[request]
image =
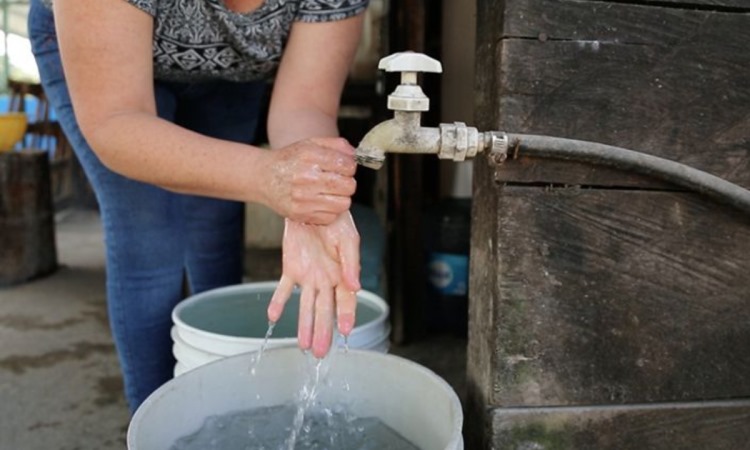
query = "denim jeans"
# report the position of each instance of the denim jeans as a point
(153, 237)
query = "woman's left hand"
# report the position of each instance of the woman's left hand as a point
(324, 261)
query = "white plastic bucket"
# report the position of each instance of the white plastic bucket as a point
(232, 320)
(409, 398)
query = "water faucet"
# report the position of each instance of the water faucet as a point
(405, 134)
(456, 141)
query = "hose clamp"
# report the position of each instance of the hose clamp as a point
(497, 144)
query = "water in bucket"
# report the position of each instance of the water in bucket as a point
(269, 428)
(302, 425)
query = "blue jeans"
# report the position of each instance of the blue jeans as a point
(153, 237)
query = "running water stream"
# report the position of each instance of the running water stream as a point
(307, 396)
(263, 346)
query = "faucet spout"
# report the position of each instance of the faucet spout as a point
(402, 134)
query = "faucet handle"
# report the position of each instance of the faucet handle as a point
(408, 96)
(409, 63)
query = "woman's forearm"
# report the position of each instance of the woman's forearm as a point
(308, 87)
(309, 181)
(291, 125)
(146, 148)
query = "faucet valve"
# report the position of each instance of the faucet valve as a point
(409, 96)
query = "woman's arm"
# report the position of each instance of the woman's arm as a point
(310, 79)
(106, 47)
(323, 260)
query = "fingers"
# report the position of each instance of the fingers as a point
(279, 298)
(336, 184)
(316, 317)
(333, 155)
(328, 181)
(306, 317)
(315, 329)
(319, 197)
(323, 331)
(349, 255)
(346, 305)
(310, 186)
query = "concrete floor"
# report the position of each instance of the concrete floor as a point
(60, 385)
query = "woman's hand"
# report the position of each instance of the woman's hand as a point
(311, 181)
(324, 261)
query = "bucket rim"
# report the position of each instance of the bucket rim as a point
(456, 437)
(181, 348)
(370, 297)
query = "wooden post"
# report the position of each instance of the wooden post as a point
(412, 179)
(608, 310)
(27, 233)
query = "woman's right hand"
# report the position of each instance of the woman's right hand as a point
(311, 181)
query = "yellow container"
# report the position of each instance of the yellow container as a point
(12, 128)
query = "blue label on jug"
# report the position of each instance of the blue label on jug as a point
(449, 273)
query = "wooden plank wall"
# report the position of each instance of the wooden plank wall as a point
(671, 425)
(591, 286)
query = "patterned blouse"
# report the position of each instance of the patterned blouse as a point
(198, 40)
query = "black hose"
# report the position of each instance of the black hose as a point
(621, 158)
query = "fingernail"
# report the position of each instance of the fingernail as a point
(346, 323)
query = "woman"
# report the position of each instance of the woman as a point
(160, 99)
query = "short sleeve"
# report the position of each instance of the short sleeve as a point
(147, 6)
(329, 10)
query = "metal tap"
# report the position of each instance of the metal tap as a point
(404, 133)
(456, 141)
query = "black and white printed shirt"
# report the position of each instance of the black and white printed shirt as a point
(199, 40)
